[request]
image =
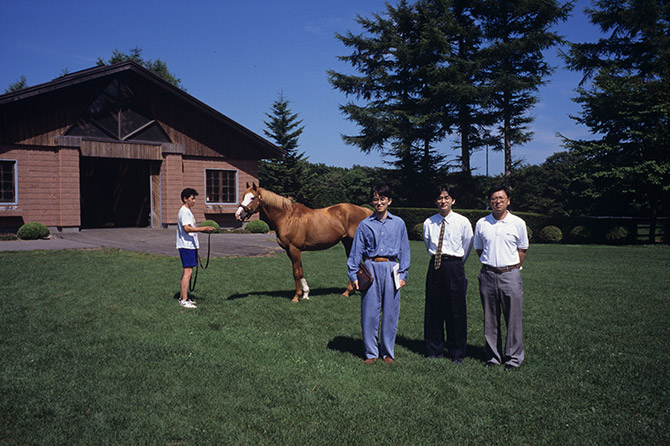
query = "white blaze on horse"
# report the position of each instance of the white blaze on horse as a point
(300, 228)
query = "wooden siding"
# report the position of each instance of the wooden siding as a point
(110, 149)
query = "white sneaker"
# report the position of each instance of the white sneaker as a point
(187, 304)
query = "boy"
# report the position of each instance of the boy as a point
(381, 242)
(187, 243)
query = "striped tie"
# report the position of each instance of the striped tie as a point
(438, 252)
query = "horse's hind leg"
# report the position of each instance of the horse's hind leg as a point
(301, 288)
(347, 242)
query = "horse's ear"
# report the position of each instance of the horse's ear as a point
(247, 185)
(253, 185)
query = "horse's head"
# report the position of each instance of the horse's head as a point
(251, 203)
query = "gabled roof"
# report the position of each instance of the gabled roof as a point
(83, 76)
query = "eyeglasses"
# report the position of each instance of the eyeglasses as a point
(497, 199)
(380, 200)
(447, 198)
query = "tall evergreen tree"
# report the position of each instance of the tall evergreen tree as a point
(395, 110)
(627, 106)
(516, 33)
(290, 175)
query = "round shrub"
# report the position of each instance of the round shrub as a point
(580, 234)
(529, 230)
(416, 232)
(551, 234)
(33, 231)
(257, 227)
(368, 206)
(211, 223)
(617, 235)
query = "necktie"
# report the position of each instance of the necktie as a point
(438, 252)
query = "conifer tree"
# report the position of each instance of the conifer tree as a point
(289, 176)
(516, 33)
(627, 107)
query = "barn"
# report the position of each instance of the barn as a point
(113, 146)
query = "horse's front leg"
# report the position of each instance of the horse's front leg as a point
(301, 288)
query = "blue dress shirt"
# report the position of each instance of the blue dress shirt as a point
(377, 238)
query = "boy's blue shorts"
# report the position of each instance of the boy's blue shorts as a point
(189, 257)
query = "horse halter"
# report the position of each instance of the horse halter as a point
(247, 209)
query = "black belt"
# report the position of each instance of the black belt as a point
(448, 258)
(504, 269)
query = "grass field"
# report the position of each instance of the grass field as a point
(96, 350)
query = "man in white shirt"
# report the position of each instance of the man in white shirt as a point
(448, 239)
(501, 241)
(187, 243)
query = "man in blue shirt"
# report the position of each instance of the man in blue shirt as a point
(381, 243)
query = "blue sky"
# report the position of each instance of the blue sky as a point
(237, 56)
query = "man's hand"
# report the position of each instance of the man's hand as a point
(402, 283)
(355, 284)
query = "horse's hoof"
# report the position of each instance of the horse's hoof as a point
(294, 300)
(305, 298)
(345, 294)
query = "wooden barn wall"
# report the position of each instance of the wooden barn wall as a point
(38, 120)
(199, 132)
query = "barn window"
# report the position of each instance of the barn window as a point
(221, 186)
(7, 182)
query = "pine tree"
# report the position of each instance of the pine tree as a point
(627, 106)
(289, 176)
(157, 66)
(516, 33)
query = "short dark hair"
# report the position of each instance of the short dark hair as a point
(443, 188)
(383, 190)
(499, 187)
(188, 192)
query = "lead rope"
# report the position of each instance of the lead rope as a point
(194, 277)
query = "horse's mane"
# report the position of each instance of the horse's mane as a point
(274, 200)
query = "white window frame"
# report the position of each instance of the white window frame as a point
(235, 172)
(16, 183)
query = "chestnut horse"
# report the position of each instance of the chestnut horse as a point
(300, 228)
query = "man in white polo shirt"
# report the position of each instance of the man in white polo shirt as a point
(501, 241)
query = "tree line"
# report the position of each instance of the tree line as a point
(435, 68)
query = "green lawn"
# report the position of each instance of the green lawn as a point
(96, 350)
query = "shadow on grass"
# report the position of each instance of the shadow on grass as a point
(345, 344)
(418, 346)
(287, 294)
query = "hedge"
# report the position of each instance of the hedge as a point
(257, 227)
(581, 229)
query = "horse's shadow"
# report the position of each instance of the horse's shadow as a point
(287, 294)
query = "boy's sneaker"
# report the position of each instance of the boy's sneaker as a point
(187, 304)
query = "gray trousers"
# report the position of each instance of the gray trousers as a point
(504, 292)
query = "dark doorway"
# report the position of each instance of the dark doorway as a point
(114, 192)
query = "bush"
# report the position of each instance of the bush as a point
(33, 231)
(579, 234)
(211, 223)
(617, 235)
(529, 230)
(417, 232)
(551, 234)
(257, 227)
(8, 237)
(368, 206)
